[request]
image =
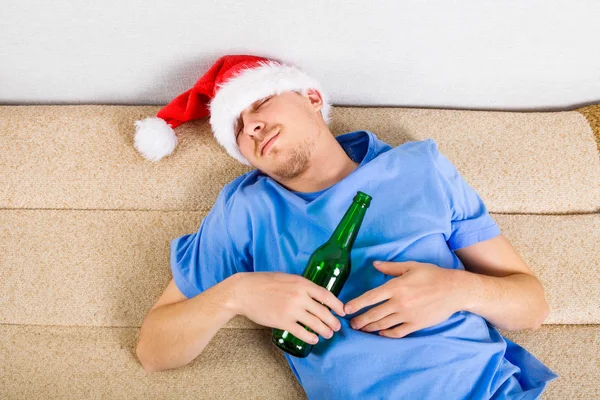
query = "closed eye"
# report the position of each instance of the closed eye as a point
(242, 122)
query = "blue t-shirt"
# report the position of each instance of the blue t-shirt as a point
(422, 210)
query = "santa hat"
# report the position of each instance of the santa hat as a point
(232, 84)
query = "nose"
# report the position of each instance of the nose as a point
(253, 127)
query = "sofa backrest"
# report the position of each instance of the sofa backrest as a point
(87, 222)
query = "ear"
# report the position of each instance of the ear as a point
(315, 98)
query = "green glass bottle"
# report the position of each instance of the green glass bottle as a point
(329, 267)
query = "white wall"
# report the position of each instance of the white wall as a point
(480, 54)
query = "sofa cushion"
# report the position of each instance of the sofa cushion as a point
(107, 268)
(82, 157)
(41, 362)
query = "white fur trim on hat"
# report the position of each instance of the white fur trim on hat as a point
(251, 85)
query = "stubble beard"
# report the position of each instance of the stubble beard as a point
(296, 163)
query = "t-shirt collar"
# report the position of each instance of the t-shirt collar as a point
(360, 146)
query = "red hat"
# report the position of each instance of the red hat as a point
(232, 84)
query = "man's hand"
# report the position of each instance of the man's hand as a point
(421, 295)
(280, 300)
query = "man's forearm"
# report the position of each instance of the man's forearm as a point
(512, 302)
(174, 334)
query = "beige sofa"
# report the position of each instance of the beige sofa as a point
(86, 224)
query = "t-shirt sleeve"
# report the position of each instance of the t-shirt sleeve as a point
(470, 220)
(204, 258)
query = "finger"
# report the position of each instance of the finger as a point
(323, 313)
(324, 296)
(314, 323)
(371, 297)
(396, 268)
(372, 315)
(301, 333)
(400, 331)
(384, 323)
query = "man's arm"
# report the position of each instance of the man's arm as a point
(500, 286)
(176, 329)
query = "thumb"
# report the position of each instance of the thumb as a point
(394, 268)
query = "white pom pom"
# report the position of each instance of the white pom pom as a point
(154, 138)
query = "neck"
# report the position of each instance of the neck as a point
(329, 165)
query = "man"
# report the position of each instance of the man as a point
(421, 324)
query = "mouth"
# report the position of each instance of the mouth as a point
(265, 147)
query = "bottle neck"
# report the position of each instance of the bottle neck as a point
(347, 230)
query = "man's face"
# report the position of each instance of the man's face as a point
(277, 134)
